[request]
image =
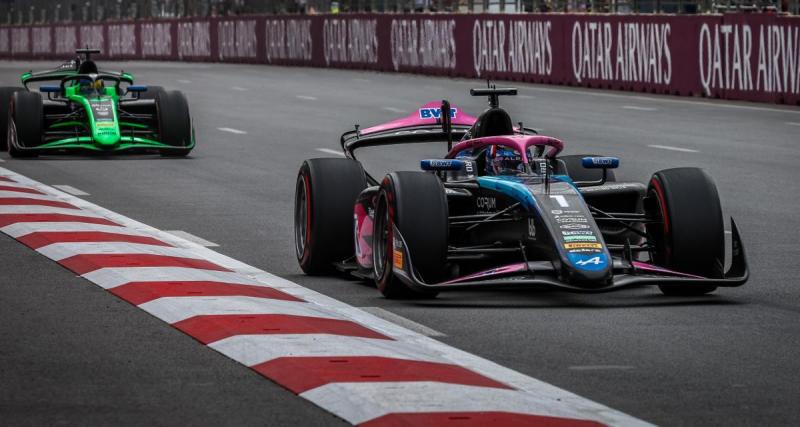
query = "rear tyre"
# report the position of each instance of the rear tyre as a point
(690, 237)
(415, 202)
(27, 113)
(174, 123)
(325, 193)
(577, 172)
(6, 96)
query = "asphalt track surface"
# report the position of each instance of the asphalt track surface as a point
(72, 353)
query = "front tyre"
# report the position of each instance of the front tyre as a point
(415, 203)
(27, 113)
(174, 123)
(325, 192)
(6, 96)
(690, 236)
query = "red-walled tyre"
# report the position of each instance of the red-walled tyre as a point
(325, 192)
(690, 238)
(416, 203)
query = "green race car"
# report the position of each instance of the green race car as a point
(92, 110)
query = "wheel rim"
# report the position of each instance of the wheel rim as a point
(381, 238)
(302, 217)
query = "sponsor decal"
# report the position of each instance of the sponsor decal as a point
(590, 262)
(577, 233)
(397, 258)
(531, 229)
(486, 203)
(105, 124)
(561, 212)
(571, 219)
(573, 226)
(435, 113)
(583, 246)
(582, 238)
(561, 200)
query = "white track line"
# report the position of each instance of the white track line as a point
(354, 402)
(306, 97)
(394, 110)
(402, 321)
(330, 151)
(24, 228)
(793, 123)
(184, 81)
(59, 251)
(232, 130)
(192, 238)
(71, 190)
(668, 147)
(366, 401)
(175, 309)
(112, 277)
(254, 349)
(637, 108)
(239, 88)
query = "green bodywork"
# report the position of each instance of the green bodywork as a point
(100, 128)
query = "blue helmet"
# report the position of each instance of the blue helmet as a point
(503, 161)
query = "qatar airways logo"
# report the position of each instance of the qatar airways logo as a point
(737, 57)
(288, 39)
(631, 52)
(350, 41)
(515, 46)
(427, 43)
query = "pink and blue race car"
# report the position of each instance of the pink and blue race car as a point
(502, 209)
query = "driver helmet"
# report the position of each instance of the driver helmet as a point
(503, 161)
(88, 86)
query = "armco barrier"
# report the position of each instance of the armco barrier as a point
(746, 57)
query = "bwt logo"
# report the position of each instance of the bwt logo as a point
(435, 113)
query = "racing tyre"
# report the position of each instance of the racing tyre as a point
(174, 123)
(152, 92)
(690, 236)
(6, 95)
(576, 171)
(28, 115)
(325, 193)
(415, 202)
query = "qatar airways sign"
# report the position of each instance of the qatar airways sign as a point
(761, 58)
(512, 46)
(350, 41)
(622, 52)
(424, 43)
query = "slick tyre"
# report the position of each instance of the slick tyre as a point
(415, 203)
(689, 237)
(576, 171)
(27, 113)
(152, 92)
(6, 96)
(174, 123)
(325, 193)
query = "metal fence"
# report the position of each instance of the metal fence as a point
(45, 11)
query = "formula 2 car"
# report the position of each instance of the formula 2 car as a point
(92, 110)
(502, 209)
